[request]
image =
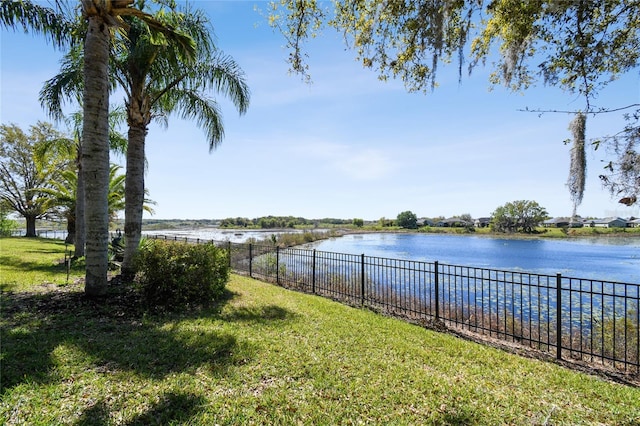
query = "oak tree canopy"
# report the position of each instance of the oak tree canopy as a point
(579, 46)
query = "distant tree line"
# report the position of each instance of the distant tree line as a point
(280, 222)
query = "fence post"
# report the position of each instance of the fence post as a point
(362, 279)
(558, 316)
(436, 279)
(313, 273)
(278, 265)
(228, 251)
(250, 261)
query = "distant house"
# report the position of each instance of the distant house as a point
(424, 222)
(454, 222)
(633, 223)
(609, 222)
(556, 222)
(563, 222)
(482, 222)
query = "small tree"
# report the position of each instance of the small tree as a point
(6, 225)
(22, 176)
(518, 216)
(383, 222)
(407, 220)
(466, 217)
(359, 223)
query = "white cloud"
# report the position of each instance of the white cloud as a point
(368, 164)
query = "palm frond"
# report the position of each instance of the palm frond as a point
(66, 86)
(38, 19)
(192, 105)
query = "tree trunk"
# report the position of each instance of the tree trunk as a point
(95, 155)
(80, 216)
(71, 228)
(134, 198)
(31, 226)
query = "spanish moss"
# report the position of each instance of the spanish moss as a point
(578, 166)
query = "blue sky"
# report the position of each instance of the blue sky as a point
(347, 145)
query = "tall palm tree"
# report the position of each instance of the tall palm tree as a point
(159, 80)
(103, 16)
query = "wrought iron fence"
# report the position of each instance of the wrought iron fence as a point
(572, 318)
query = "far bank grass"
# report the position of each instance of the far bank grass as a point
(271, 356)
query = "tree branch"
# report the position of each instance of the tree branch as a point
(599, 111)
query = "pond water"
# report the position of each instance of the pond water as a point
(609, 259)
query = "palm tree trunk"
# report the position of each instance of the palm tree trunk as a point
(134, 198)
(95, 154)
(80, 240)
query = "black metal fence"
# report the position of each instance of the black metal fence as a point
(571, 318)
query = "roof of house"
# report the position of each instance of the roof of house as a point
(608, 220)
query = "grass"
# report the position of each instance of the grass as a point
(27, 262)
(267, 355)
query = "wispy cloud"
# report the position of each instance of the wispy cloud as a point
(368, 164)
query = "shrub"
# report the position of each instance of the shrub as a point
(6, 225)
(268, 264)
(173, 275)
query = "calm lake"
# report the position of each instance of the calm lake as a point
(608, 259)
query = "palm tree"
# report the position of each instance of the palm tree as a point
(117, 194)
(68, 85)
(158, 80)
(102, 16)
(62, 193)
(51, 99)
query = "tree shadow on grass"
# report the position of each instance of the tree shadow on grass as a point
(49, 337)
(25, 265)
(113, 334)
(259, 314)
(173, 408)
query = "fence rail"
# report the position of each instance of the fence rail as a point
(571, 318)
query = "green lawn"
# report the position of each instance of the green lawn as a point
(28, 263)
(266, 355)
